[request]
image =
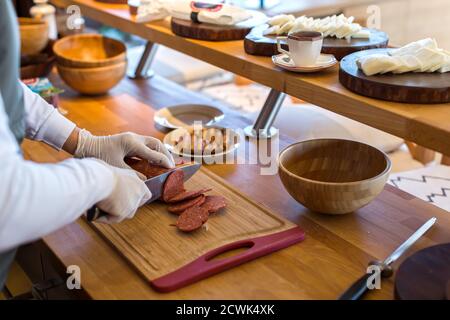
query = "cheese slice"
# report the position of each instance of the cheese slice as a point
(446, 65)
(271, 30)
(285, 28)
(361, 34)
(413, 47)
(377, 63)
(430, 59)
(419, 56)
(408, 63)
(281, 19)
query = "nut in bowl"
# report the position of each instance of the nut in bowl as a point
(210, 144)
(333, 176)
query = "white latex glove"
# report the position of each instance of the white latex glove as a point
(113, 149)
(128, 194)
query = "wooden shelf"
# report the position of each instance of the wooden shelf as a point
(423, 124)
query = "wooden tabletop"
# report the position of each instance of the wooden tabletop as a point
(422, 124)
(333, 255)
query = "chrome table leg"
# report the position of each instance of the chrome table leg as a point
(262, 128)
(142, 70)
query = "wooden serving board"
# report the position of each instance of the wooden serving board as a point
(258, 44)
(212, 32)
(408, 87)
(425, 275)
(170, 259)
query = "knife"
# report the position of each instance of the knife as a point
(154, 184)
(358, 288)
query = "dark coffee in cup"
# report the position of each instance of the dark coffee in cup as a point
(304, 47)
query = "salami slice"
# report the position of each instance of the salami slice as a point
(181, 206)
(191, 219)
(145, 167)
(186, 195)
(174, 185)
(214, 203)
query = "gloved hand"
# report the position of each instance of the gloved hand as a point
(113, 149)
(129, 193)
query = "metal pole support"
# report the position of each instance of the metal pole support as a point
(142, 70)
(262, 128)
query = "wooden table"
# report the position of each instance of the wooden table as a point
(334, 254)
(422, 124)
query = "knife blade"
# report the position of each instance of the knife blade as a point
(154, 184)
(359, 287)
(409, 242)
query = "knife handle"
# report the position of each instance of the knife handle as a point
(357, 290)
(94, 213)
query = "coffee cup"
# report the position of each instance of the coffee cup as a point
(304, 47)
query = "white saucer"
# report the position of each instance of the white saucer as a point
(186, 114)
(323, 62)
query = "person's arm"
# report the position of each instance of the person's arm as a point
(45, 123)
(37, 199)
(72, 141)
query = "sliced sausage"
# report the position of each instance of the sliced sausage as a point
(174, 185)
(186, 195)
(191, 219)
(214, 203)
(181, 206)
(145, 167)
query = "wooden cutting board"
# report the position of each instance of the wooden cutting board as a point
(212, 32)
(258, 44)
(425, 275)
(408, 87)
(170, 259)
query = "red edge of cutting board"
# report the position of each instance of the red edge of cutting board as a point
(204, 267)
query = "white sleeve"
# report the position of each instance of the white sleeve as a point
(36, 199)
(43, 121)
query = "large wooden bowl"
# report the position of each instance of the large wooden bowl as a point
(333, 176)
(89, 51)
(33, 35)
(92, 81)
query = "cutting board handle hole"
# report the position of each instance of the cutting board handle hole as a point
(230, 251)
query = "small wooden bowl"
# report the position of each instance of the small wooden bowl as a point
(92, 81)
(89, 51)
(333, 176)
(33, 35)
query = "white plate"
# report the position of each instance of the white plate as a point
(172, 137)
(185, 114)
(324, 61)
